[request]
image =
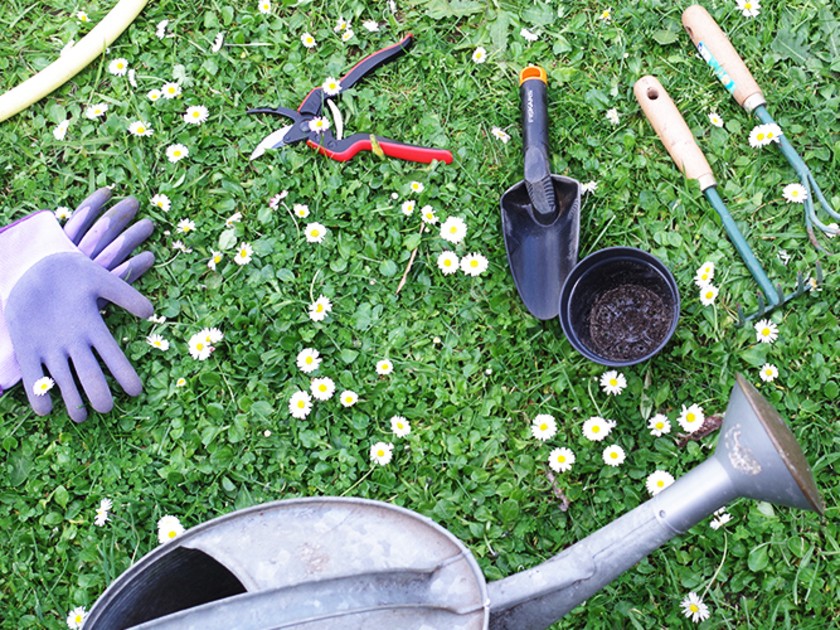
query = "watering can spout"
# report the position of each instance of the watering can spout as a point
(757, 456)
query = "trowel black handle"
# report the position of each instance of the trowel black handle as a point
(533, 90)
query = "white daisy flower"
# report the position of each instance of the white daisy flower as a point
(769, 372)
(76, 618)
(613, 383)
(448, 262)
(596, 428)
(613, 455)
(244, 252)
(348, 398)
(157, 341)
(196, 114)
(215, 259)
(322, 388)
(60, 130)
(371, 26)
(766, 331)
(453, 230)
(96, 111)
(331, 86)
(427, 213)
(140, 129)
(708, 294)
(218, 43)
(185, 226)
(170, 90)
(795, 193)
(264, 6)
(693, 607)
(62, 213)
(200, 349)
(300, 404)
(528, 36)
(381, 453)
(407, 207)
(347, 35)
(42, 386)
(161, 201)
(416, 187)
(308, 360)
(612, 116)
(319, 309)
(307, 40)
(118, 67)
(301, 210)
(589, 187)
(561, 459)
(315, 232)
(236, 217)
(691, 418)
(716, 120)
(169, 528)
(160, 29)
(154, 95)
(657, 481)
(479, 55)
(384, 367)
(473, 264)
(176, 152)
(500, 134)
(400, 426)
(659, 425)
(544, 427)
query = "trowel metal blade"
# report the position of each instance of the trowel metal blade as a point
(541, 251)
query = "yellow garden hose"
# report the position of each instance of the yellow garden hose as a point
(73, 61)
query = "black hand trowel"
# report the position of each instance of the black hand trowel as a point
(540, 214)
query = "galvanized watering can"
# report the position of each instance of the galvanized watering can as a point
(330, 562)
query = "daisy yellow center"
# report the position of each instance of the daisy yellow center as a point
(156, 343)
(660, 483)
(199, 346)
(770, 135)
(120, 66)
(447, 263)
(177, 153)
(196, 114)
(473, 263)
(596, 429)
(561, 459)
(690, 417)
(171, 90)
(543, 427)
(243, 252)
(605, 14)
(710, 294)
(322, 388)
(380, 453)
(759, 136)
(77, 618)
(217, 259)
(43, 387)
(301, 404)
(765, 332)
(614, 455)
(348, 399)
(453, 230)
(308, 360)
(141, 129)
(613, 382)
(319, 308)
(660, 425)
(172, 533)
(309, 40)
(315, 232)
(692, 606)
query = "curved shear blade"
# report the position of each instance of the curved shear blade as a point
(272, 141)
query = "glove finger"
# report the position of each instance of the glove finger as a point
(85, 214)
(121, 293)
(118, 364)
(30, 371)
(108, 227)
(59, 370)
(122, 246)
(134, 267)
(92, 379)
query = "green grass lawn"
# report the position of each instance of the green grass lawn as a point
(471, 367)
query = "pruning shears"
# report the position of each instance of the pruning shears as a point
(307, 122)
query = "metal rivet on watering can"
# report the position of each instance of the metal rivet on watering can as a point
(619, 306)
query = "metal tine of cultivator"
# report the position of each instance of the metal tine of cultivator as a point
(803, 285)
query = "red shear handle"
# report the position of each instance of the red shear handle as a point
(343, 150)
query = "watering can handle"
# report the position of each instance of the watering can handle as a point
(672, 130)
(717, 51)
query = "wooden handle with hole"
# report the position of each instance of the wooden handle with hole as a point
(672, 130)
(716, 49)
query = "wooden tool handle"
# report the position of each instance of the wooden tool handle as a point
(716, 49)
(675, 135)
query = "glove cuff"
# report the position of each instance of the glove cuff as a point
(23, 244)
(26, 242)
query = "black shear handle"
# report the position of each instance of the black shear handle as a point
(312, 103)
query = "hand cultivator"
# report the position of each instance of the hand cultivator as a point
(308, 125)
(718, 52)
(677, 138)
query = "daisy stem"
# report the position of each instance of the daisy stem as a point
(410, 263)
(592, 398)
(720, 566)
(358, 481)
(312, 285)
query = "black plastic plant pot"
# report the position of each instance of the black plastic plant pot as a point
(619, 306)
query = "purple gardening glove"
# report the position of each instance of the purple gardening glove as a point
(49, 292)
(107, 242)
